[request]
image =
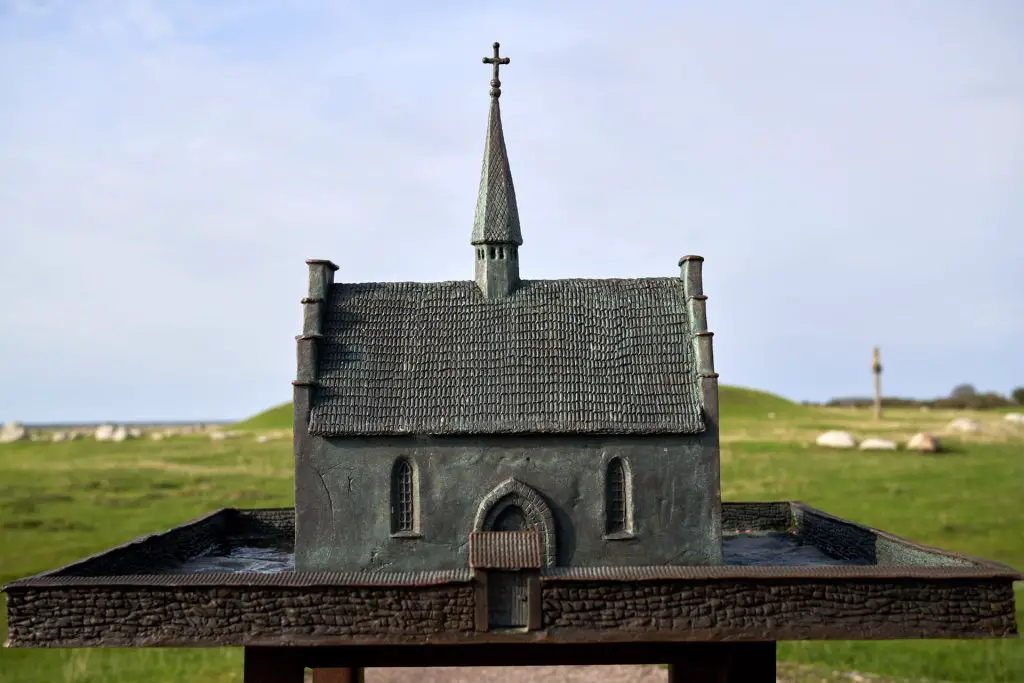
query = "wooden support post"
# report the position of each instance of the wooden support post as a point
(728, 663)
(338, 675)
(272, 665)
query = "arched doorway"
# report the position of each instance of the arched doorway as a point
(513, 503)
(513, 537)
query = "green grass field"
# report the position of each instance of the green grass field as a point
(62, 501)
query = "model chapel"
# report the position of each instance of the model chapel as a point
(504, 423)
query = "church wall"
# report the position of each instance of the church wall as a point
(343, 494)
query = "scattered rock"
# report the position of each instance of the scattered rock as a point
(963, 424)
(1014, 418)
(119, 434)
(104, 432)
(220, 436)
(924, 442)
(57, 437)
(836, 439)
(75, 436)
(134, 433)
(157, 436)
(873, 444)
(13, 431)
(263, 438)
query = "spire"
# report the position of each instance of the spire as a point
(497, 216)
(496, 236)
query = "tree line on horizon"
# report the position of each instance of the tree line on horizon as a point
(963, 397)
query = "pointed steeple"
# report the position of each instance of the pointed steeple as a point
(496, 236)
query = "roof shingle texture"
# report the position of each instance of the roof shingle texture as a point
(556, 356)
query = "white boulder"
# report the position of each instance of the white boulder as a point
(965, 425)
(134, 433)
(119, 434)
(836, 439)
(13, 431)
(924, 442)
(104, 432)
(874, 444)
(1014, 418)
(57, 437)
(221, 436)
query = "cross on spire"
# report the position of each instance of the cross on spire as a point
(497, 62)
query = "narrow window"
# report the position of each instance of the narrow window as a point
(501, 253)
(615, 497)
(402, 503)
(492, 252)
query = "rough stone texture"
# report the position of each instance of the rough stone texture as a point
(343, 486)
(847, 541)
(924, 443)
(964, 424)
(836, 439)
(557, 356)
(784, 610)
(573, 612)
(13, 431)
(877, 444)
(94, 617)
(155, 553)
(118, 598)
(739, 517)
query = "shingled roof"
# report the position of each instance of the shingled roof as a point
(555, 356)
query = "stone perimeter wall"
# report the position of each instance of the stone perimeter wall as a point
(786, 610)
(572, 611)
(105, 617)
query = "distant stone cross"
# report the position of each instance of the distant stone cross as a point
(497, 62)
(876, 370)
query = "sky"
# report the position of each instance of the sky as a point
(852, 172)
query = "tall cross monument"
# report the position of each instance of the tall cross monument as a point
(876, 370)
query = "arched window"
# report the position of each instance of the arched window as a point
(616, 498)
(492, 253)
(403, 503)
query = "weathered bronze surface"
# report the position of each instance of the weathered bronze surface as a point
(497, 62)
(546, 454)
(135, 595)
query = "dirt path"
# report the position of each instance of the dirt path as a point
(789, 673)
(520, 674)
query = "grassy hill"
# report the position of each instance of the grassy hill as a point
(63, 501)
(278, 417)
(735, 402)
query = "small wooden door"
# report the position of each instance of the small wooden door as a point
(508, 600)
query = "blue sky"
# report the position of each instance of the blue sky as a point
(853, 173)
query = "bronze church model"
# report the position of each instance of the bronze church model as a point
(503, 424)
(509, 471)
